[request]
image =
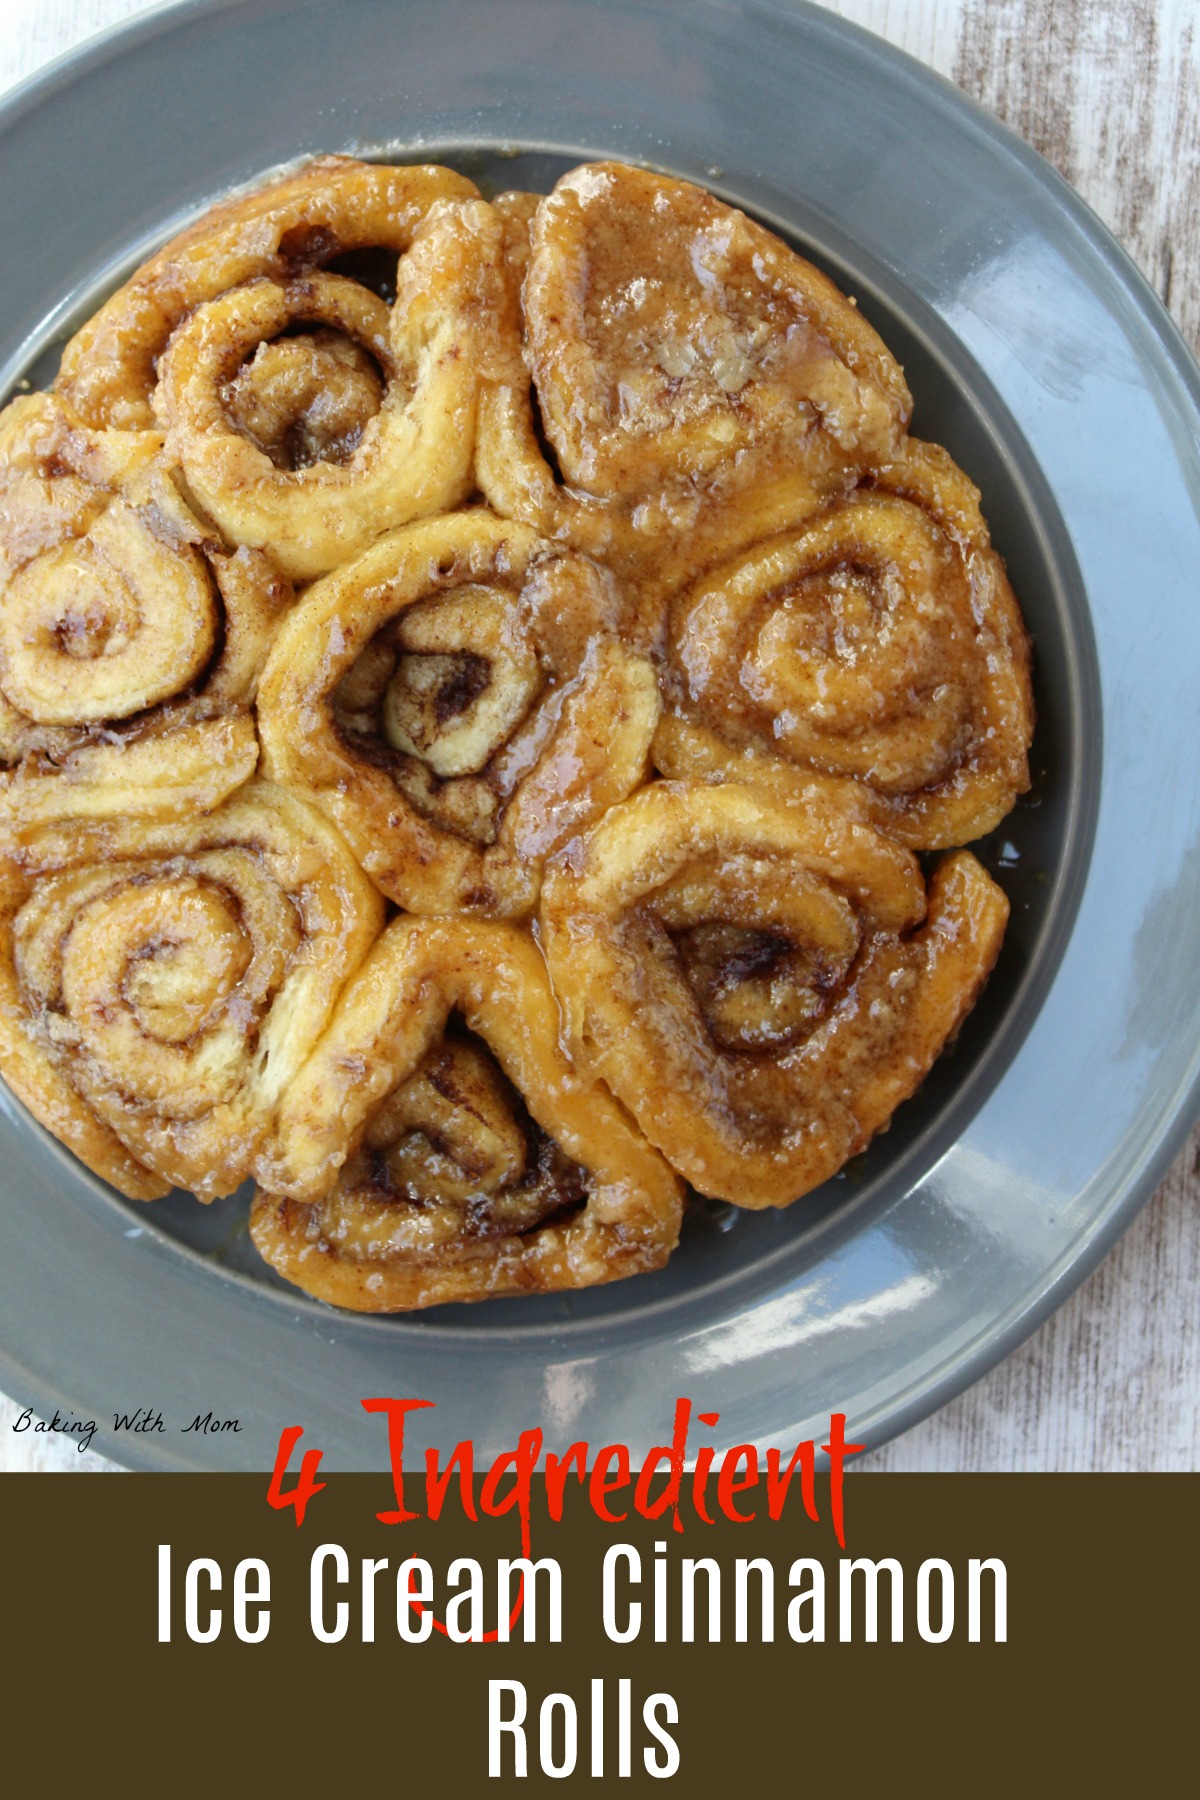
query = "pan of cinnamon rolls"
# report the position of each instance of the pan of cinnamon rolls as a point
(494, 710)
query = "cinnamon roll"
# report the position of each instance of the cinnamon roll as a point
(317, 442)
(458, 702)
(761, 983)
(637, 651)
(439, 1146)
(162, 984)
(130, 638)
(679, 383)
(334, 209)
(880, 642)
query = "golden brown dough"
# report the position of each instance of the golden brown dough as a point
(161, 985)
(130, 639)
(332, 208)
(419, 1164)
(879, 642)
(458, 702)
(642, 648)
(696, 384)
(760, 983)
(316, 444)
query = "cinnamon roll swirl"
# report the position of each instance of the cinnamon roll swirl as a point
(162, 984)
(439, 1146)
(130, 638)
(333, 209)
(761, 983)
(318, 442)
(879, 642)
(458, 702)
(680, 383)
(641, 650)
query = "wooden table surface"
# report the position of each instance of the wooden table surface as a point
(1109, 92)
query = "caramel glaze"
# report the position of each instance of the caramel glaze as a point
(680, 382)
(561, 572)
(459, 702)
(416, 1166)
(308, 221)
(307, 399)
(879, 643)
(760, 981)
(309, 416)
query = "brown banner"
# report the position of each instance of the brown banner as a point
(973, 1632)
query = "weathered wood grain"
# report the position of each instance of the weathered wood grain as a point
(1109, 92)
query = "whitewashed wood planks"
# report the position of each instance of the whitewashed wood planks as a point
(1109, 91)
